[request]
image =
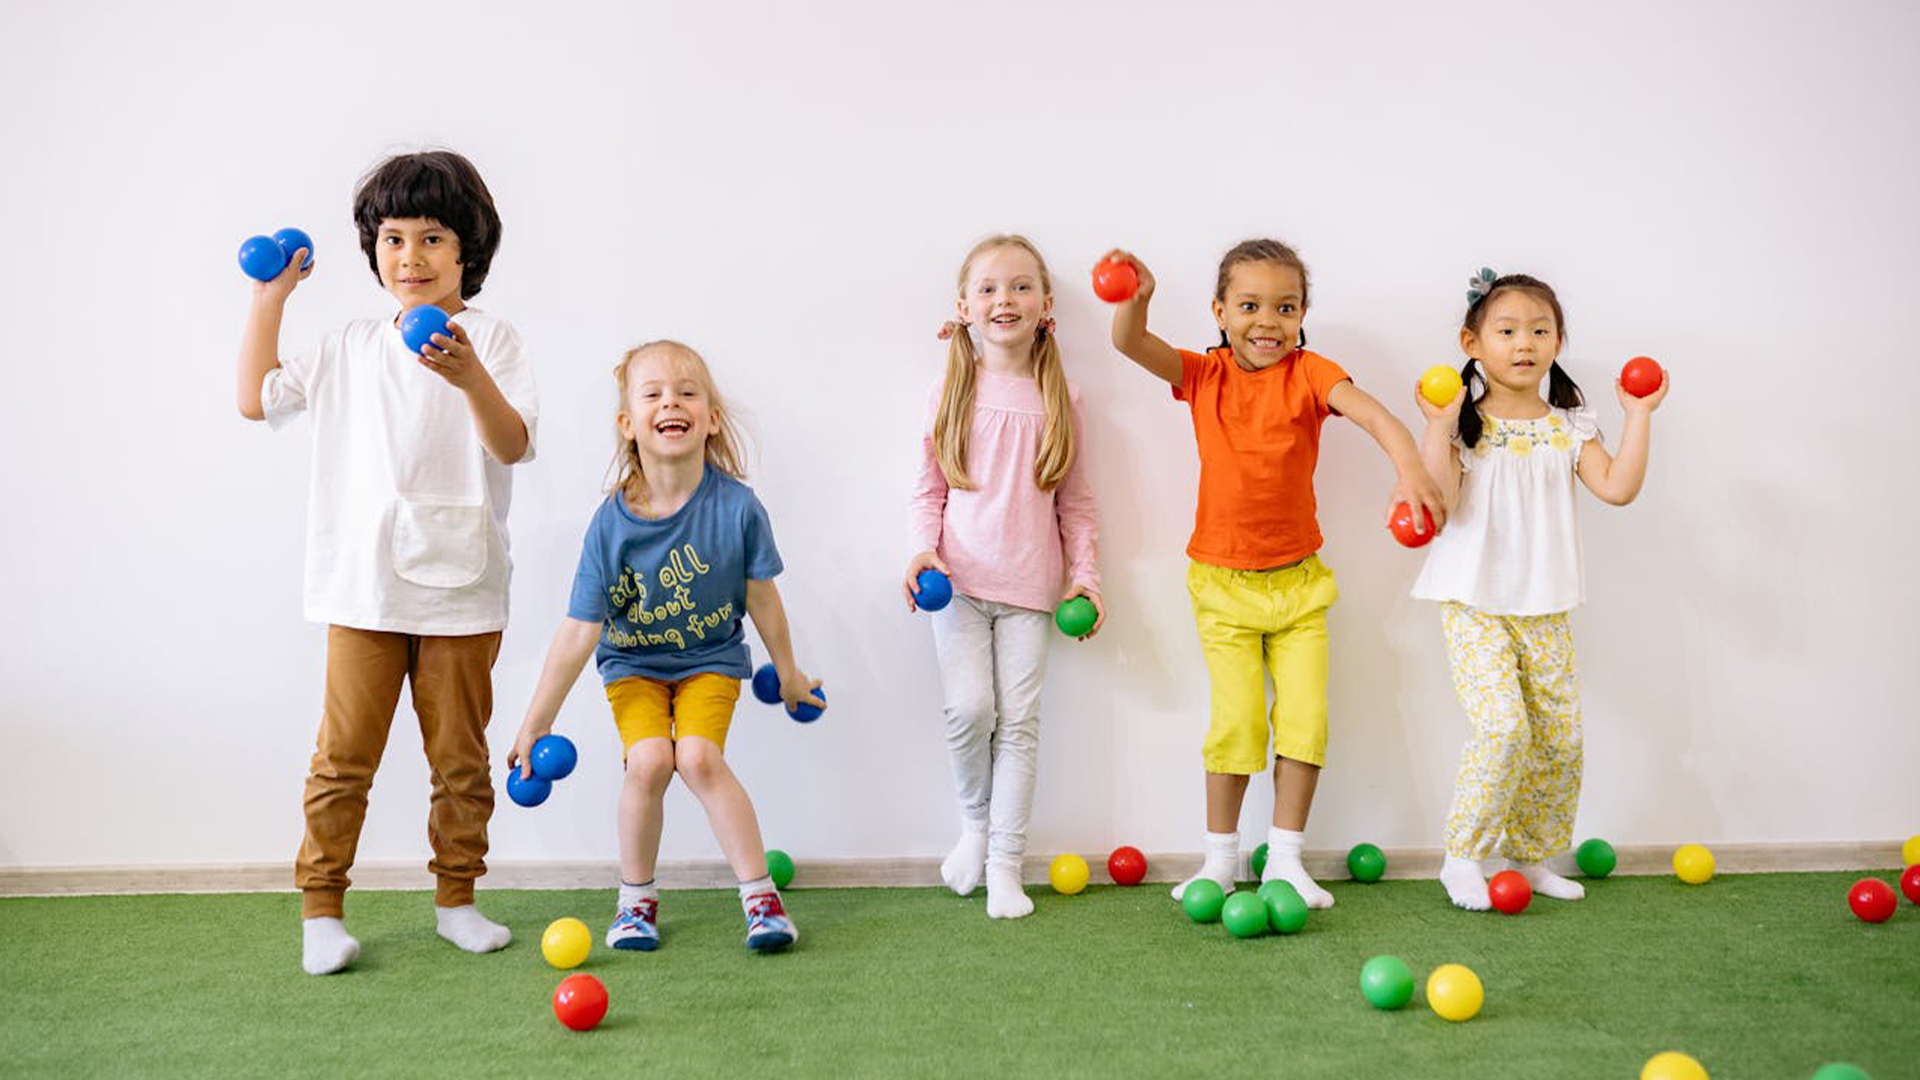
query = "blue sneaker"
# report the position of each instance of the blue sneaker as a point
(633, 928)
(768, 928)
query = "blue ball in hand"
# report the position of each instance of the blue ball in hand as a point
(934, 590)
(261, 258)
(553, 757)
(291, 240)
(419, 324)
(806, 713)
(766, 685)
(530, 791)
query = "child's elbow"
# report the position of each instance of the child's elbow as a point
(251, 410)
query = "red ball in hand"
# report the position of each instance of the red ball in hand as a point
(1642, 376)
(1402, 525)
(1509, 892)
(1910, 883)
(1872, 900)
(1114, 280)
(1127, 866)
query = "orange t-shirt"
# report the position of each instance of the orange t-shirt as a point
(1259, 437)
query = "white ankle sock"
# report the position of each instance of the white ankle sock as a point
(631, 895)
(1547, 883)
(962, 867)
(325, 945)
(759, 886)
(472, 931)
(1283, 864)
(1466, 883)
(1223, 858)
(1005, 897)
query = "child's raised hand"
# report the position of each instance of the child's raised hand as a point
(1145, 291)
(911, 583)
(1448, 414)
(282, 284)
(1644, 405)
(451, 356)
(797, 689)
(1099, 607)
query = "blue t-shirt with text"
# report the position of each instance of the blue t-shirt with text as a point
(671, 594)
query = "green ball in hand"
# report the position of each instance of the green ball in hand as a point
(1076, 617)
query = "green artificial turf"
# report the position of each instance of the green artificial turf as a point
(1757, 976)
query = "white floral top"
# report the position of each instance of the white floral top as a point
(1512, 546)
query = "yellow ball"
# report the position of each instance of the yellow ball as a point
(1454, 992)
(1693, 863)
(1068, 874)
(566, 943)
(1672, 1065)
(1910, 851)
(1439, 385)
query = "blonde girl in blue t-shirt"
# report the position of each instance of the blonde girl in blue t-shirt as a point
(677, 554)
(1506, 570)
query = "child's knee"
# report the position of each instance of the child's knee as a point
(698, 761)
(650, 764)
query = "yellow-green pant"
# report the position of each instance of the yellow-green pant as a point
(1519, 781)
(1254, 624)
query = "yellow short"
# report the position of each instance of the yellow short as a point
(699, 704)
(1254, 623)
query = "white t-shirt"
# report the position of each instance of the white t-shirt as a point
(407, 512)
(1511, 545)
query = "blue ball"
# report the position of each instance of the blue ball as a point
(419, 324)
(935, 590)
(531, 791)
(261, 258)
(766, 685)
(291, 240)
(806, 713)
(553, 757)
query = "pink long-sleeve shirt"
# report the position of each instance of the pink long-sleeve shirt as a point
(1007, 540)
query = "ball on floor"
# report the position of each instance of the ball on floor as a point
(1454, 992)
(1693, 864)
(566, 943)
(1068, 873)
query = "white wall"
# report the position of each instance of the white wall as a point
(1729, 187)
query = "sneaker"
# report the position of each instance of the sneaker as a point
(633, 928)
(768, 928)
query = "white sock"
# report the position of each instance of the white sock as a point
(1283, 864)
(472, 931)
(1466, 883)
(759, 886)
(1223, 858)
(1547, 883)
(962, 867)
(1005, 898)
(325, 945)
(631, 895)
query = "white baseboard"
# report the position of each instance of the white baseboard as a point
(862, 873)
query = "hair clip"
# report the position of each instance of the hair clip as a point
(950, 328)
(1046, 326)
(1479, 285)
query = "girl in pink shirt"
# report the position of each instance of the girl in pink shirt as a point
(1004, 509)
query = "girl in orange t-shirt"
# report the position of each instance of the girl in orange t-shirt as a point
(1260, 593)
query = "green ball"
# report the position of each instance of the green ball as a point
(1286, 909)
(1366, 863)
(1203, 899)
(1596, 858)
(779, 867)
(1259, 861)
(1076, 616)
(1244, 915)
(1386, 982)
(1840, 1070)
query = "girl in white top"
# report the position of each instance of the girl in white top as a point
(1506, 570)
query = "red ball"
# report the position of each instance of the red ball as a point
(1114, 280)
(1872, 900)
(1127, 866)
(580, 1002)
(1402, 525)
(1641, 376)
(1910, 883)
(1509, 892)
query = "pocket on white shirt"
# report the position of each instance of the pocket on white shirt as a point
(439, 543)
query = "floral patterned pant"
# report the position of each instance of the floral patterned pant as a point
(1519, 780)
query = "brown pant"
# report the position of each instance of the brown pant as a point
(453, 695)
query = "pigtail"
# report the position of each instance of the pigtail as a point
(954, 419)
(1057, 437)
(1562, 391)
(1470, 422)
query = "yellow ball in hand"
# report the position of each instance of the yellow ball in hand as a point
(1068, 874)
(1693, 864)
(566, 943)
(1672, 1065)
(1454, 992)
(1439, 385)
